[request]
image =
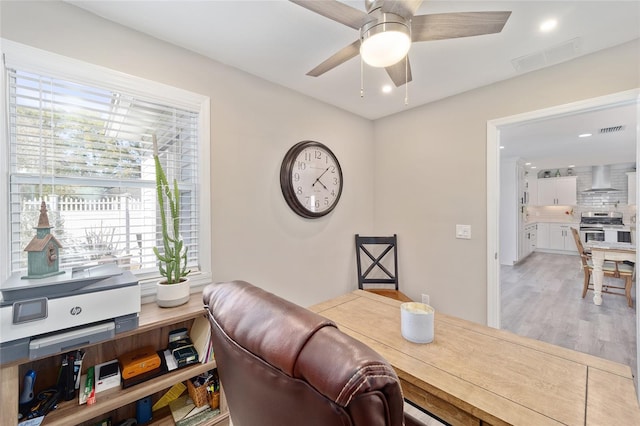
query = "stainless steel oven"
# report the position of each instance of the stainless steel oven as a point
(601, 226)
(591, 233)
(617, 234)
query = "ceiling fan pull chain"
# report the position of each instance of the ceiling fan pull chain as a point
(361, 77)
(406, 80)
(406, 70)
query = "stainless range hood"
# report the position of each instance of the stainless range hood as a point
(601, 180)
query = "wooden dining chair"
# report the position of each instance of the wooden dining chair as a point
(611, 269)
(377, 262)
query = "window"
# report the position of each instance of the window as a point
(84, 146)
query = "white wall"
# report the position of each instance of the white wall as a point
(431, 172)
(256, 237)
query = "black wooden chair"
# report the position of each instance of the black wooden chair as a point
(377, 260)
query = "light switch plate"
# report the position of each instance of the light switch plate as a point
(463, 231)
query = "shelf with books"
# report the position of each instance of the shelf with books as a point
(112, 399)
(154, 325)
(163, 417)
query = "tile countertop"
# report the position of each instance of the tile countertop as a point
(631, 228)
(619, 228)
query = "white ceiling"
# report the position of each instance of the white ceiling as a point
(280, 41)
(554, 143)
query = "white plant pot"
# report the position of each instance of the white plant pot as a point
(170, 295)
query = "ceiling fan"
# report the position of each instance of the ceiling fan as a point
(395, 19)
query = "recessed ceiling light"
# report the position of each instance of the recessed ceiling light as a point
(501, 147)
(534, 167)
(386, 88)
(527, 164)
(572, 165)
(548, 25)
(584, 135)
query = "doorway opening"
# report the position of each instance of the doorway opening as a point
(494, 128)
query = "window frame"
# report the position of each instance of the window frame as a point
(40, 61)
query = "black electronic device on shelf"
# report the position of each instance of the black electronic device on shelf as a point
(182, 348)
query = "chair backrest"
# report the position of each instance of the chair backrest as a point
(580, 247)
(377, 261)
(281, 364)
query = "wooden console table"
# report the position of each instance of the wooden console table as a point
(472, 374)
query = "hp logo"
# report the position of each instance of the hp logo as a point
(75, 310)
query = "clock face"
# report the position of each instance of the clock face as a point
(311, 179)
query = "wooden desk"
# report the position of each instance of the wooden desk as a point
(473, 374)
(601, 251)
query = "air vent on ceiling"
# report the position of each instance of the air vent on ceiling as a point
(612, 129)
(551, 56)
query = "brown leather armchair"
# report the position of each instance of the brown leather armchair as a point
(283, 365)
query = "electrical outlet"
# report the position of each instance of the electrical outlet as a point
(425, 299)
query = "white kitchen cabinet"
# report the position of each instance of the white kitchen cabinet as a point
(542, 236)
(561, 238)
(560, 191)
(631, 185)
(527, 241)
(555, 238)
(533, 238)
(513, 198)
(532, 188)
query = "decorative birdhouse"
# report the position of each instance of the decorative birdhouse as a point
(43, 250)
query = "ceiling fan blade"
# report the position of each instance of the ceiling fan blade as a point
(441, 26)
(406, 8)
(397, 72)
(336, 11)
(338, 58)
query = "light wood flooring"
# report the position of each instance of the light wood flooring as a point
(541, 298)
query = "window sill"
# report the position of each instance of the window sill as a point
(148, 285)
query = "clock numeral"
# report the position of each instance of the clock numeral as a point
(333, 192)
(307, 156)
(301, 165)
(312, 201)
(318, 155)
(332, 169)
(299, 190)
(335, 180)
(296, 177)
(326, 201)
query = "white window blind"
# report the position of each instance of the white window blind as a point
(87, 152)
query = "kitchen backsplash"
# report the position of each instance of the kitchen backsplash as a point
(598, 202)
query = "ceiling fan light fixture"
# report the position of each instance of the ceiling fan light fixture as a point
(385, 41)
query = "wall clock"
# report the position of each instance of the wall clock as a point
(311, 179)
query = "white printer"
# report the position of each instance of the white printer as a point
(39, 317)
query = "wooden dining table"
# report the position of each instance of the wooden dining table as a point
(601, 251)
(472, 374)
